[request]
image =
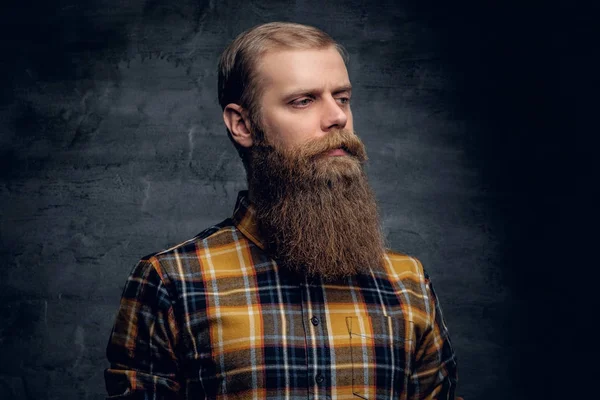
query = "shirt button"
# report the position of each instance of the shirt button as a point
(319, 378)
(315, 321)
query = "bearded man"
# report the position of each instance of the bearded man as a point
(295, 296)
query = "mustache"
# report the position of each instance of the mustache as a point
(344, 139)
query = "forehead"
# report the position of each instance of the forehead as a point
(290, 69)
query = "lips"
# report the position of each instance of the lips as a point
(337, 152)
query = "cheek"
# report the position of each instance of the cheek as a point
(291, 130)
(350, 123)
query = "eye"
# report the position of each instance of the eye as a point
(343, 100)
(301, 102)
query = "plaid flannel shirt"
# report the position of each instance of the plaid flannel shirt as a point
(215, 317)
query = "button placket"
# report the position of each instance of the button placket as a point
(318, 361)
(319, 378)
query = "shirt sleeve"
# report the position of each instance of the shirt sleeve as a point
(141, 348)
(434, 374)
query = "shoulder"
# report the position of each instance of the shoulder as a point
(187, 258)
(407, 276)
(412, 284)
(403, 266)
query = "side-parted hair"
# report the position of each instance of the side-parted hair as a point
(238, 82)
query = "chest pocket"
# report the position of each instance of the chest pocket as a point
(381, 348)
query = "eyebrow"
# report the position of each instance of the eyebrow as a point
(310, 92)
(341, 89)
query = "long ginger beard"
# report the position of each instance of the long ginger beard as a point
(316, 212)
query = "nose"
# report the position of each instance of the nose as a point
(334, 116)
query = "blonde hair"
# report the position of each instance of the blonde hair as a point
(237, 66)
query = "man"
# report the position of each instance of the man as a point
(295, 296)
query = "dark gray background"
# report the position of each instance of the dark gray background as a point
(476, 119)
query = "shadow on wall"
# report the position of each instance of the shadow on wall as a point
(51, 57)
(47, 43)
(522, 72)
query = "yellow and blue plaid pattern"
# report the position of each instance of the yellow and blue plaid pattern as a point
(215, 317)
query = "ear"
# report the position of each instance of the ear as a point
(236, 120)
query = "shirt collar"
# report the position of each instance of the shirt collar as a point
(244, 218)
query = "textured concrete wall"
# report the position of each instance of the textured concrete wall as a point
(112, 146)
